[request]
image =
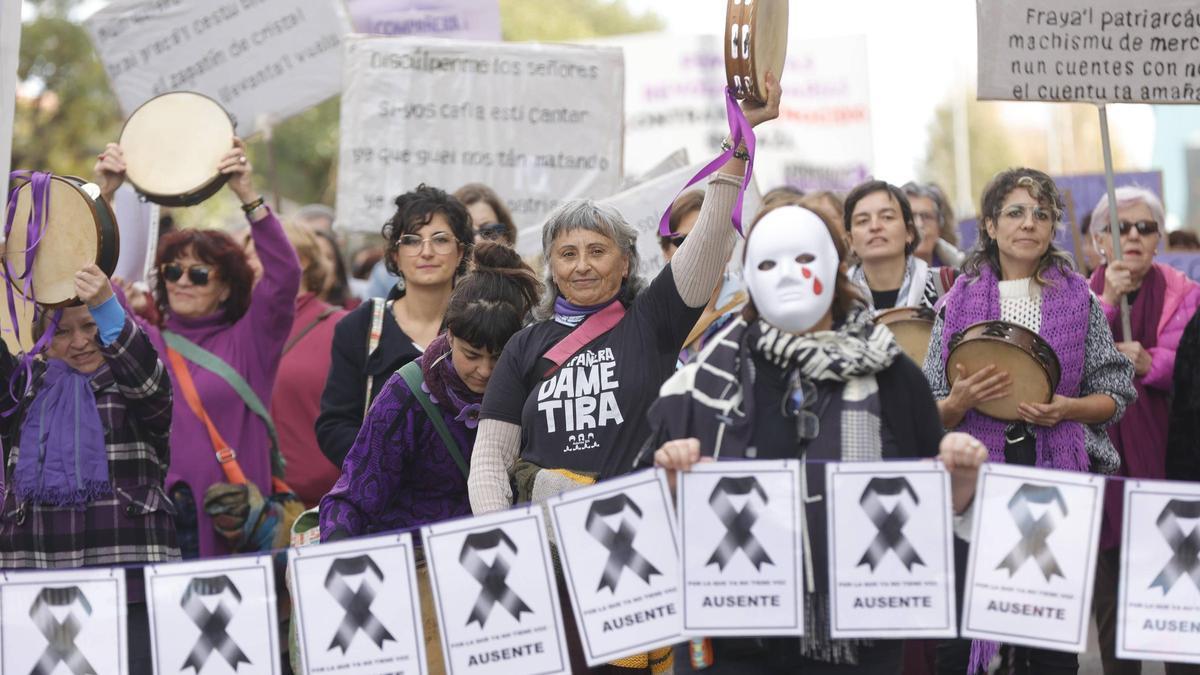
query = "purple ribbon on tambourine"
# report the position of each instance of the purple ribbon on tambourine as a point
(35, 226)
(739, 131)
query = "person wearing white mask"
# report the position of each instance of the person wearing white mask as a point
(813, 378)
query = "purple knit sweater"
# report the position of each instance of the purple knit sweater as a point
(399, 474)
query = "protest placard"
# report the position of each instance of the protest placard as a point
(739, 525)
(1033, 557)
(620, 560)
(69, 620)
(495, 592)
(674, 95)
(538, 123)
(10, 48)
(262, 61)
(891, 562)
(357, 606)
(218, 613)
(1117, 51)
(1158, 604)
(460, 19)
(643, 206)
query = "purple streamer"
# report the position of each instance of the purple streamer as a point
(739, 131)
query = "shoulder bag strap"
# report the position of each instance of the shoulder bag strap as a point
(217, 366)
(378, 305)
(304, 331)
(593, 327)
(411, 372)
(226, 455)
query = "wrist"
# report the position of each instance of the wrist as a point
(252, 203)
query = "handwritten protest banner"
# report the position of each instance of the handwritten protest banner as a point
(674, 95)
(63, 621)
(538, 123)
(460, 19)
(1158, 610)
(1131, 51)
(891, 564)
(741, 546)
(262, 60)
(1033, 557)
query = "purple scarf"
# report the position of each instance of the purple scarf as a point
(1141, 435)
(565, 312)
(1065, 307)
(445, 387)
(63, 460)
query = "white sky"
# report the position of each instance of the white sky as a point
(917, 50)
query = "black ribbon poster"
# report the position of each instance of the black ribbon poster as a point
(739, 523)
(1034, 532)
(60, 635)
(619, 542)
(889, 525)
(1185, 548)
(493, 588)
(357, 604)
(213, 623)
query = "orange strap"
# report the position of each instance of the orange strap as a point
(226, 455)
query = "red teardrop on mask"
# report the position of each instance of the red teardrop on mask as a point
(806, 272)
(817, 287)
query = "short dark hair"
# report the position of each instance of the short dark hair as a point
(490, 304)
(688, 202)
(339, 292)
(414, 210)
(215, 248)
(473, 193)
(871, 187)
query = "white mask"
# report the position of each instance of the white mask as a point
(791, 268)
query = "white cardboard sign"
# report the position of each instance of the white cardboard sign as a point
(1158, 610)
(53, 621)
(214, 616)
(1119, 51)
(891, 560)
(538, 123)
(260, 59)
(739, 525)
(1033, 557)
(621, 563)
(357, 607)
(464, 19)
(10, 49)
(495, 592)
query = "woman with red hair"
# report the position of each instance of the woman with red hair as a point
(206, 295)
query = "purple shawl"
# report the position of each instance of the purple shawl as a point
(445, 387)
(1065, 306)
(1140, 437)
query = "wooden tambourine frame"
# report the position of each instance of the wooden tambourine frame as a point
(755, 42)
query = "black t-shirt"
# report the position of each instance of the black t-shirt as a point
(590, 415)
(885, 299)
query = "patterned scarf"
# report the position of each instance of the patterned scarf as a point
(912, 289)
(445, 387)
(1065, 306)
(62, 459)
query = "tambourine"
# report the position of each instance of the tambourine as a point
(1027, 358)
(755, 42)
(173, 145)
(79, 229)
(912, 327)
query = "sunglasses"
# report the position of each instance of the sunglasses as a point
(199, 275)
(492, 231)
(1144, 227)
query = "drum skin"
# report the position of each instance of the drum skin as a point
(173, 144)
(912, 327)
(755, 42)
(1024, 355)
(80, 230)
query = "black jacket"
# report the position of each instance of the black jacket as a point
(344, 399)
(1183, 430)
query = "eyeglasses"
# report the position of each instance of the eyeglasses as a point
(492, 231)
(926, 217)
(1144, 227)
(412, 245)
(1018, 212)
(199, 275)
(677, 241)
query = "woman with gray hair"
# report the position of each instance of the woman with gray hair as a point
(934, 216)
(1162, 300)
(570, 392)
